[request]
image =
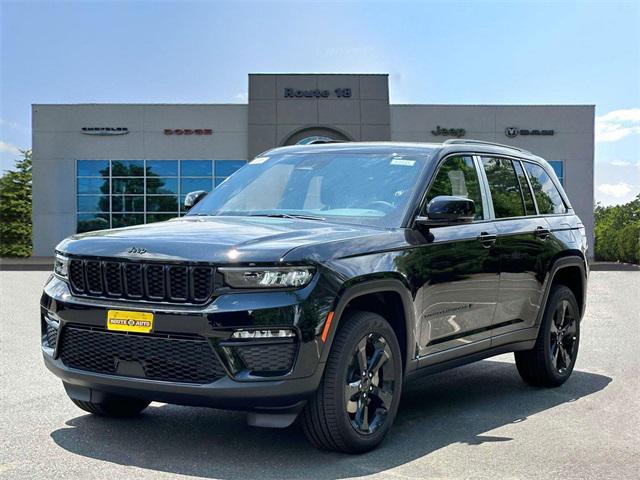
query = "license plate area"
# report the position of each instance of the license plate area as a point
(126, 321)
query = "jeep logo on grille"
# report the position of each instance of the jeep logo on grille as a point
(137, 251)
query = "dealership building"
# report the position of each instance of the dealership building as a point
(98, 166)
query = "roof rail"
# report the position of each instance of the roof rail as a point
(456, 141)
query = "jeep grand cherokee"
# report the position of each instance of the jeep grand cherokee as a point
(317, 280)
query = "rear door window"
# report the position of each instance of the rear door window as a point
(505, 187)
(547, 195)
(529, 205)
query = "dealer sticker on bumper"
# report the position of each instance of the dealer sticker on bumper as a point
(123, 321)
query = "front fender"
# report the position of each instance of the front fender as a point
(361, 286)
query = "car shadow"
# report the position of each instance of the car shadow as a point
(457, 406)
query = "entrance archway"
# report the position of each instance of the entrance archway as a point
(308, 135)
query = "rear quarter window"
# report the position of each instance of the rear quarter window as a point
(547, 195)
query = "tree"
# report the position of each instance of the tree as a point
(15, 209)
(618, 232)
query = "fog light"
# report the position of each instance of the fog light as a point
(259, 334)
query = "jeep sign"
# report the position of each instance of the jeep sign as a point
(448, 132)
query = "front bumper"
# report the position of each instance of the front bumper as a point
(241, 385)
(225, 393)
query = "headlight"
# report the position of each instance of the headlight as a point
(276, 277)
(61, 265)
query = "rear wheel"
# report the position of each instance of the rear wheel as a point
(358, 397)
(113, 406)
(551, 361)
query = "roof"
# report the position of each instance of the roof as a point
(457, 145)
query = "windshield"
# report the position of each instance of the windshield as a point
(367, 189)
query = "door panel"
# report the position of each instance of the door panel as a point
(459, 287)
(457, 270)
(521, 248)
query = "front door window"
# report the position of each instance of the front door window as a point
(458, 176)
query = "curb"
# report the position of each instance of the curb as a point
(26, 264)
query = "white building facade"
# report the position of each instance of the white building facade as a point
(98, 166)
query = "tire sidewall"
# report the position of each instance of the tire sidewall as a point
(366, 323)
(558, 295)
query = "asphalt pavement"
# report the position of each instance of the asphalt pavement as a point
(478, 421)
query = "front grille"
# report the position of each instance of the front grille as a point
(155, 357)
(276, 357)
(152, 282)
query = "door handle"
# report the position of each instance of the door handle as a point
(487, 239)
(542, 232)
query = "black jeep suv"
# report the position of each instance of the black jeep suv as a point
(318, 279)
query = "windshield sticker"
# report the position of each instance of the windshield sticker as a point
(403, 162)
(258, 160)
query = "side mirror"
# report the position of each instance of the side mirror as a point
(193, 197)
(448, 210)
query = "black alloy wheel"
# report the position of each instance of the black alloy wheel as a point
(358, 397)
(370, 384)
(551, 361)
(563, 340)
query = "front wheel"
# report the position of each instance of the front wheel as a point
(553, 357)
(358, 397)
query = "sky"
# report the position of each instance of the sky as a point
(483, 52)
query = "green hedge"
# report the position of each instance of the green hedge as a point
(617, 232)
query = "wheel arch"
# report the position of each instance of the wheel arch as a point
(389, 298)
(569, 270)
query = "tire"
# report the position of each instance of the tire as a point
(351, 412)
(113, 406)
(546, 365)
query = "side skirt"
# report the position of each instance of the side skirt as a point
(430, 369)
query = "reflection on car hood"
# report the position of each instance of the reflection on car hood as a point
(215, 239)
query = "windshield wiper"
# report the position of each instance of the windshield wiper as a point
(288, 215)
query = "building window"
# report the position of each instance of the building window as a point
(558, 167)
(121, 193)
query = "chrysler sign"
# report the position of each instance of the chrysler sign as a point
(105, 131)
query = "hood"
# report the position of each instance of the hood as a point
(214, 239)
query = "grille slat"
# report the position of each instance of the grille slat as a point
(202, 283)
(93, 271)
(166, 358)
(178, 283)
(76, 275)
(133, 280)
(152, 282)
(113, 278)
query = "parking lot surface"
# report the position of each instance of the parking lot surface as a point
(478, 421)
